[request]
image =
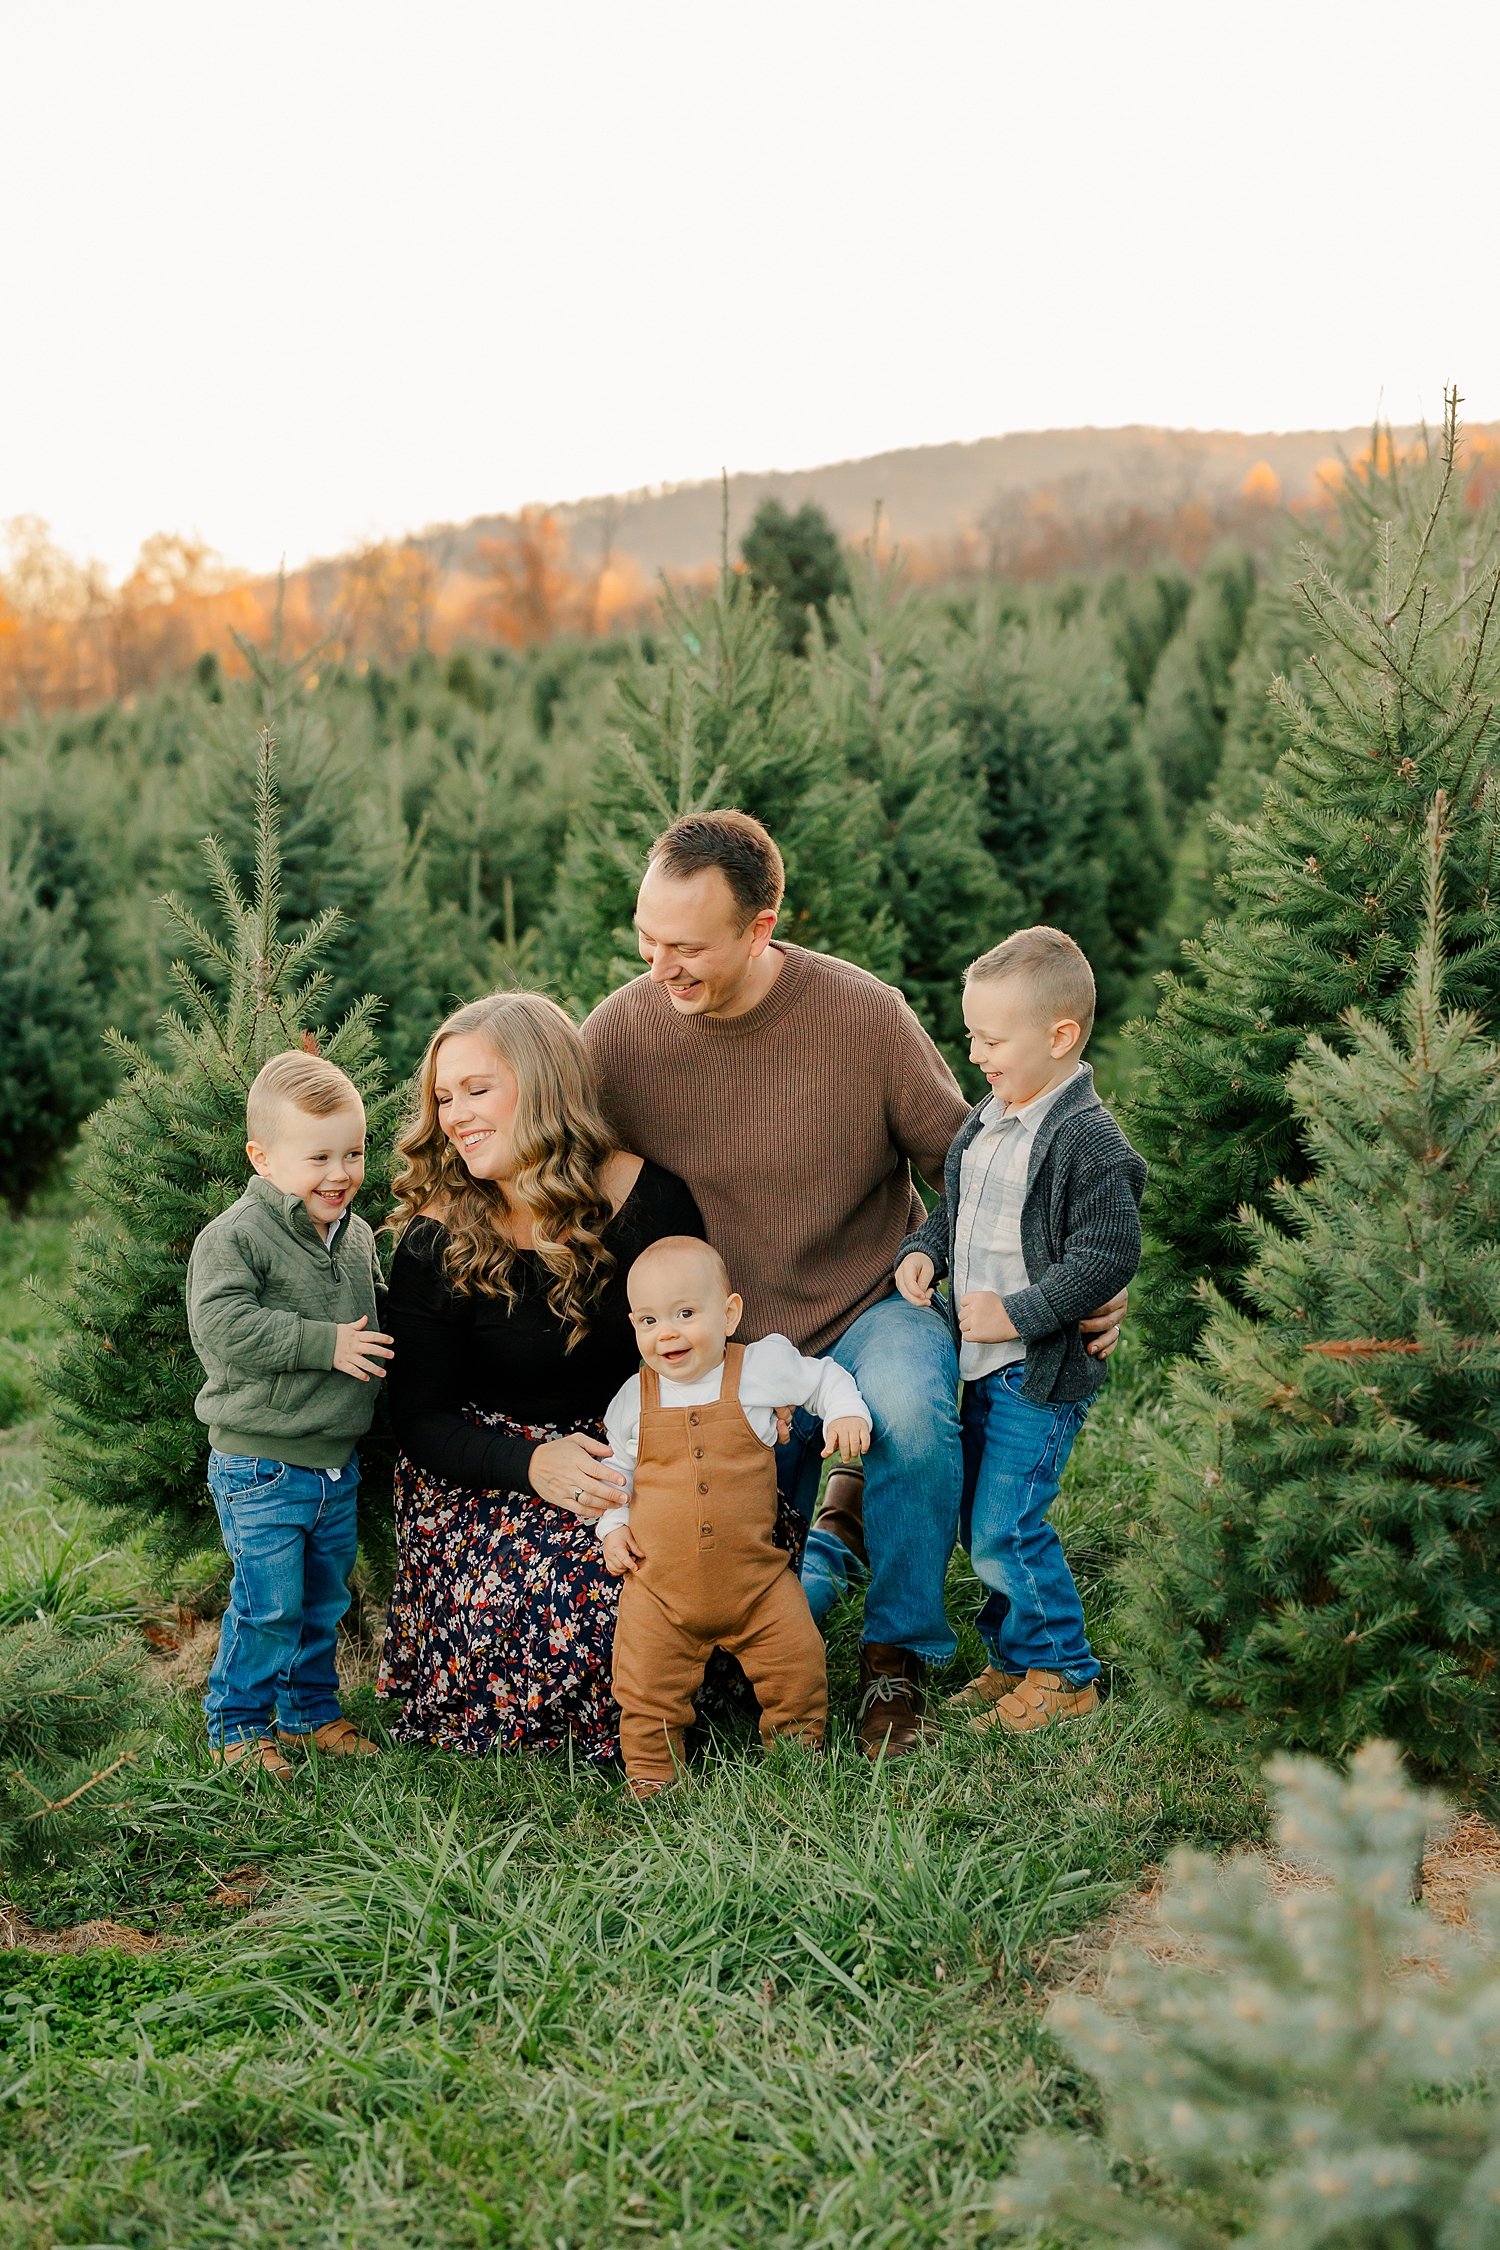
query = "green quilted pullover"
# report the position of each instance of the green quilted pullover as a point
(265, 1294)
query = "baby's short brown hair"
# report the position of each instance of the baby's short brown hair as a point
(295, 1080)
(1058, 977)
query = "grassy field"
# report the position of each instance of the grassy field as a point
(437, 2002)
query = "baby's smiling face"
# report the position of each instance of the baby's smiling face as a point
(681, 1313)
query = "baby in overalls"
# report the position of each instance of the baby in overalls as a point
(694, 1434)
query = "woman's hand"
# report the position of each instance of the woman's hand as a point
(570, 1472)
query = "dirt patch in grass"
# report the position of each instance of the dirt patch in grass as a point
(18, 1934)
(1459, 1861)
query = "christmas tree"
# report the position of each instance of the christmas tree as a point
(796, 559)
(52, 1064)
(1317, 2070)
(712, 712)
(1182, 726)
(878, 711)
(1324, 1559)
(1400, 701)
(65, 1752)
(166, 1155)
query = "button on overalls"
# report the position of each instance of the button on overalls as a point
(702, 1511)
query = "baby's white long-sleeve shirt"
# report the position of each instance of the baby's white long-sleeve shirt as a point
(773, 1373)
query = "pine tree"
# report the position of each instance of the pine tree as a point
(1143, 610)
(878, 711)
(1400, 702)
(1324, 1559)
(715, 714)
(1071, 813)
(1315, 2068)
(52, 1062)
(1182, 726)
(163, 1157)
(798, 561)
(66, 1710)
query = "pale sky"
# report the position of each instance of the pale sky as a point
(297, 274)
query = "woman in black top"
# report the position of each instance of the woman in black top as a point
(518, 1220)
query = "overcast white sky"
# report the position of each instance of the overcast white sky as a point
(296, 274)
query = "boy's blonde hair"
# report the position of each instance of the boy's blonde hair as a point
(1058, 979)
(295, 1080)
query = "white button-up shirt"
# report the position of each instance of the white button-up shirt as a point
(987, 1238)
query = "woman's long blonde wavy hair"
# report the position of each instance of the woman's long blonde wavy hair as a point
(560, 1144)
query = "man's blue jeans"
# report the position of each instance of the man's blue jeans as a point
(1014, 1457)
(906, 1365)
(291, 1537)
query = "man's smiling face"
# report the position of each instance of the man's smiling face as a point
(695, 941)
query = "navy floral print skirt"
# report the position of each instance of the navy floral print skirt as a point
(502, 1617)
(501, 1624)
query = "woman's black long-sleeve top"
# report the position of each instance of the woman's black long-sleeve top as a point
(454, 1351)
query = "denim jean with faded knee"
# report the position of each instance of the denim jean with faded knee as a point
(1014, 1457)
(292, 1538)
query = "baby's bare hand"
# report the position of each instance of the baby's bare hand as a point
(622, 1556)
(360, 1350)
(847, 1436)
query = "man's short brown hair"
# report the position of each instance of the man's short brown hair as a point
(295, 1080)
(1057, 974)
(735, 843)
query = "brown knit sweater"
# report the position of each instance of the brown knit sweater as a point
(794, 1125)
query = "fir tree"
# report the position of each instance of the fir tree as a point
(1324, 1560)
(1143, 610)
(1182, 726)
(878, 711)
(163, 1157)
(715, 714)
(1317, 2070)
(1070, 812)
(1399, 701)
(52, 1064)
(798, 561)
(65, 1750)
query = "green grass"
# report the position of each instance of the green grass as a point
(495, 2003)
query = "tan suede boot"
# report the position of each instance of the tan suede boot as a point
(256, 1750)
(340, 1738)
(1041, 1700)
(984, 1691)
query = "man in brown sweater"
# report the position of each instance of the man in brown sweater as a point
(794, 1093)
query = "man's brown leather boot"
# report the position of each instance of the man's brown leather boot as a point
(843, 1513)
(892, 1717)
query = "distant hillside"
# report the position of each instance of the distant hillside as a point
(932, 493)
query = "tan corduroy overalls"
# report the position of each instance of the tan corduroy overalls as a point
(702, 1510)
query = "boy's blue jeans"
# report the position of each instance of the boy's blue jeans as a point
(291, 1537)
(1014, 1457)
(906, 1365)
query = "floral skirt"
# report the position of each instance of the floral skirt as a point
(502, 1617)
(501, 1624)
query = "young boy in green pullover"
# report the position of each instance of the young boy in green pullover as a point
(282, 1294)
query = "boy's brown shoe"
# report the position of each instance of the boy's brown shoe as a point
(985, 1691)
(641, 1786)
(255, 1750)
(1041, 1700)
(340, 1738)
(892, 1702)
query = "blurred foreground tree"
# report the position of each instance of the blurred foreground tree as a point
(1315, 2067)
(65, 1753)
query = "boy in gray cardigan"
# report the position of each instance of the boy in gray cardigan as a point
(282, 1295)
(1039, 1222)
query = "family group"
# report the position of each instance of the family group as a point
(652, 1275)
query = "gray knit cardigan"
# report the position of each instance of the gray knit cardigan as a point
(1080, 1236)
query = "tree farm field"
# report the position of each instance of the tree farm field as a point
(441, 2000)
